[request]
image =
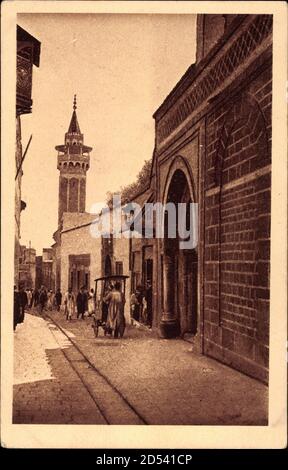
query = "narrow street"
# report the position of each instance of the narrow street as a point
(64, 375)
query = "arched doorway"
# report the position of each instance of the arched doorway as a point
(108, 266)
(179, 264)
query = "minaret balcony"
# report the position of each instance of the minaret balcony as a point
(67, 160)
(70, 157)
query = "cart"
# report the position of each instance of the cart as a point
(102, 288)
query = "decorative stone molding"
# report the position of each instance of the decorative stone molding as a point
(241, 48)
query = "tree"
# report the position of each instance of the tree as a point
(131, 190)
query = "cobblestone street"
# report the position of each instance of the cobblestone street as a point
(55, 384)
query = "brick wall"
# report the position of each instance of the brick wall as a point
(62, 198)
(73, 195)
(237, 229)
(82, 202)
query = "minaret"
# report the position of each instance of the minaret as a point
(73, 163)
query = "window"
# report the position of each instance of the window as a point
(119, 267)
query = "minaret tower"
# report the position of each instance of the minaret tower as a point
(73, 163)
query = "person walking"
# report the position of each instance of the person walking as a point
(116, 319)
(29, 298)
(42, 299)
(35, 298)
(81, 302)
(58, 299)
(23, 303)
(49, 300)
(69, 302)
(91, 303)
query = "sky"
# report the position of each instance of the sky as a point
(121, 67)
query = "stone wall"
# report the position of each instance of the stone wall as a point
(237, 229)
(79, 241)
(226, 100)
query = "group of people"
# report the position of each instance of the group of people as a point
(84, 302)
(26, 299)
(141, 305)
(46, 299)
(112, 307)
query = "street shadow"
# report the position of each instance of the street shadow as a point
(59, 400)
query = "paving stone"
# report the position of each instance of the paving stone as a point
(163, 379)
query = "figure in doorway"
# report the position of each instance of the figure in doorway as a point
(139, 304)
(149, 300)
(133, 307)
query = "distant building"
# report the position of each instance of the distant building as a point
(28, 54)
(27, 267)
(44, 270)
(38, 269)
(47, 268)
(77, 256)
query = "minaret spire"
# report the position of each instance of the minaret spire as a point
(74, 126)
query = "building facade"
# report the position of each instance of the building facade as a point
(142, 253)
(44, 269)
(38, 269)
(213, 147)
(27, 267)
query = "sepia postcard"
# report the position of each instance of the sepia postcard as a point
(144, 223)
